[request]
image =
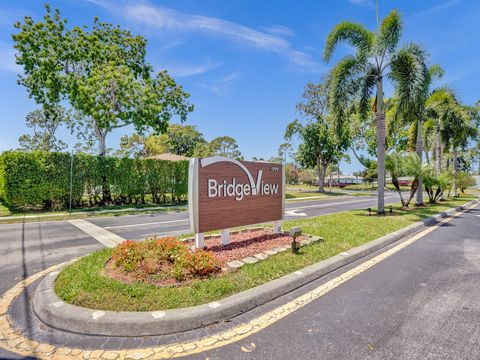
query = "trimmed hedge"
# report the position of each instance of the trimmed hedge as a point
(41, 180)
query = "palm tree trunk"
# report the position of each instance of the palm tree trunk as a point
(419, 149)
(455, 172)
(381, 133)
(396, 184)
(438, 151)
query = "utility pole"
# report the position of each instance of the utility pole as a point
(71, 183)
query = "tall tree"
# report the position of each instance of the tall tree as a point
(101, 72)
(44, 126)
(183, 139)
(225, 146)
(414, 110)
(357, 76)
(320, 146)
(456, 124)
(283, 151)
(141, 146)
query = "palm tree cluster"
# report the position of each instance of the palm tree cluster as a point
(434, 117)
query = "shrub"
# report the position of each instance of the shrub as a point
(128, 255)
(41, 180)
(171, 249)
(202, 263)
(465, 180)
(168, 255)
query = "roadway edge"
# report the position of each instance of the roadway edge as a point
(51, 310)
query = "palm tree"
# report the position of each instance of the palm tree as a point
(357, 76)
(455, 124)
(415, 111)
(395, 165)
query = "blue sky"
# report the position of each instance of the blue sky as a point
(245, 62)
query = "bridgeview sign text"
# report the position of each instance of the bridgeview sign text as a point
(225, 193)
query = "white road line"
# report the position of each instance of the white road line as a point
(103, 236)
(294, 213)
(145, 224)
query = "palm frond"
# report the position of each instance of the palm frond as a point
(345, 80)
(351, 33)
(409, 72)
(389, 33)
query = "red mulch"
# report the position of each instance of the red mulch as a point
(241, 245)
(245, 244)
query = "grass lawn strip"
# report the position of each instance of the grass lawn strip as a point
(82, 283)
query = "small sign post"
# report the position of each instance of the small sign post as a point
(226, 193)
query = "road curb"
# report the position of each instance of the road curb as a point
(54, 312)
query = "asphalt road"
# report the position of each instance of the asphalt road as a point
(421, 303)
(30, 247)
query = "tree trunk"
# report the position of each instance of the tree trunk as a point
(438, 151)
(102, 151)
(321, 168)
(419, 148)
(455, 172)
(381, 133)
(397, 187)
(413, 190)
(330, 180)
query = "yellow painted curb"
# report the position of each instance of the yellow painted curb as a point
(15, 342)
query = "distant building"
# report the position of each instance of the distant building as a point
(343, 180)
(169, 157)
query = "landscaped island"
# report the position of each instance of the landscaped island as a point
(84, 283)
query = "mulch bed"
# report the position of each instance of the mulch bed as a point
(245, 244)
(242, 245)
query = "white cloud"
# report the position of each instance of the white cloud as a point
(182, 70)
(434, 9)
(7, 58)
(279, 30)
(167, 19)
(222, 85)
(368, 3)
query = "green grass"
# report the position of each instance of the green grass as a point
(367, 187)
(294, 193)
(82, 283)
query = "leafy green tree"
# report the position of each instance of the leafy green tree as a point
(101, 72)
(183, 139)
(141, 146)
(356, 76)
(44, 127)
(284, 151)
(319, 147)
(321, 142)
(225, 146)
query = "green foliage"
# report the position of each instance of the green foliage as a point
(101, 71)
(44, 124)
(41, 180)
(465, 180)
(183, 139)
(225, 146)
(307, 176)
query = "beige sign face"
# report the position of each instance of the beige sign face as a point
(225, 193)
